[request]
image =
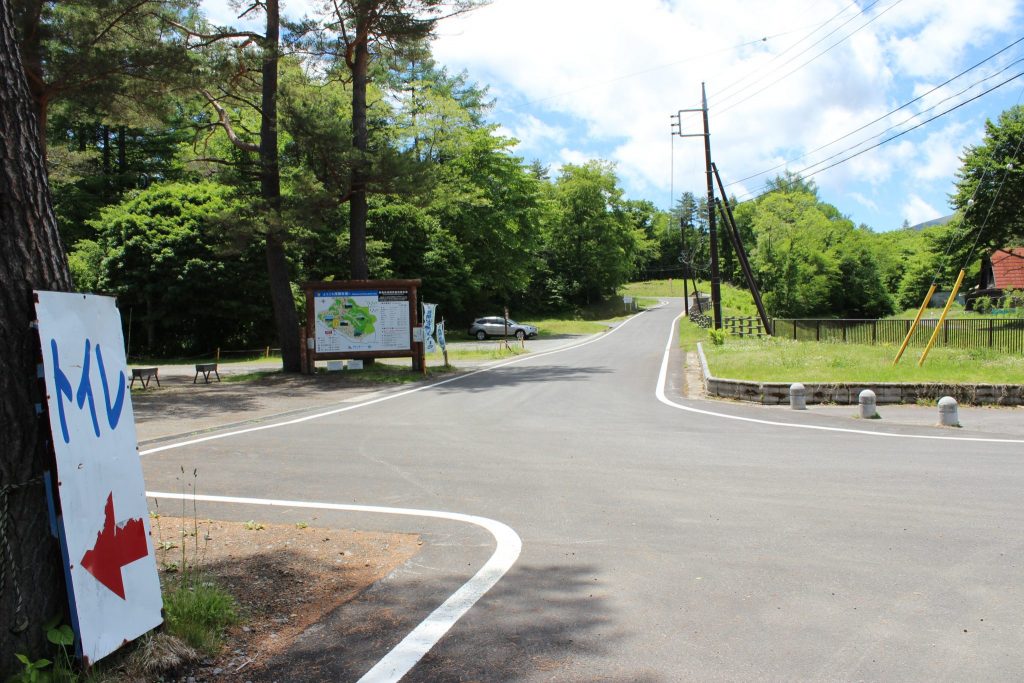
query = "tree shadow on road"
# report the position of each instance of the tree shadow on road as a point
(515, 376)
(538, 619)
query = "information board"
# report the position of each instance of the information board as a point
(361, 320)
(103, 520)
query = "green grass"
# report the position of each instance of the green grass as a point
(198, 611)
(557, 326)
(494, 351)
(735, 301)
(653, 288)
(783, 360)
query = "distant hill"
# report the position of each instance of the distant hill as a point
(933, 222)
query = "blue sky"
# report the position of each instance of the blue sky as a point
(575, 80)
(581, 79)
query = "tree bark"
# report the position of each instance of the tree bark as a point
(33, 258)
(286, 318)
(357, 208)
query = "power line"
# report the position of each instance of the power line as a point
(812, 45)
(823, 52)
(907, 120)
(802, 173)
(778, 56)
(897, 109)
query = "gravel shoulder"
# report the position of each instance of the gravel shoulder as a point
(285, 578)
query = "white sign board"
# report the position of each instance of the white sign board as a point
(361, 320)
(627, 299)
(103, 520)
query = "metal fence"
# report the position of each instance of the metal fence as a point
(1006, 334)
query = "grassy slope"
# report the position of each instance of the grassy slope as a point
(779, 360)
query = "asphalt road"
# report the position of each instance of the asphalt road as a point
(657, 544)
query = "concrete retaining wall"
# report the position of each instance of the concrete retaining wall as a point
(777, 393)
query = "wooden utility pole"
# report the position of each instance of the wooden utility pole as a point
(741, 254)
(716, 284)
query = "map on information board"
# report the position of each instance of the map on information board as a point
(361, 320)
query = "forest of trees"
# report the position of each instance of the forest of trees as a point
(200, 173)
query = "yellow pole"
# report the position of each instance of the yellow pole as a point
(910, 333)
(942, 318)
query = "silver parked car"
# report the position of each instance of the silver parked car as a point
(494, 326)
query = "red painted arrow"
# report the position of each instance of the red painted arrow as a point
(116, 546)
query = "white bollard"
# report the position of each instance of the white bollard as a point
(868, 405)
(948, 416)
(797, 396)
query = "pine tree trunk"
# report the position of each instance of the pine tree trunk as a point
(360, 140)
(33, 258)
(286, 319)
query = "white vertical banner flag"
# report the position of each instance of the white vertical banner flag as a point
(440, 336)
(428, 327)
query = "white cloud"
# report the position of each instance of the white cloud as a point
(917, 210)
(572, 156)
(941, 152)
(599, 75)
(534, 134)
(864, 201)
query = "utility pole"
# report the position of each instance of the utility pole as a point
(716, 283)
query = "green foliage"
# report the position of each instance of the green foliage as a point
(86, 263)
(810, 260)
(592, 246)
(198, 611)
(34, 670)
(717, 337)
(45, 670)
(187, 287)
(990, 186)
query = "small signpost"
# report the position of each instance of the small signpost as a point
(99, 495)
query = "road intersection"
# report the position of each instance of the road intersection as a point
(660, 542)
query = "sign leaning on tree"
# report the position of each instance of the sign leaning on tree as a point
(99, 496)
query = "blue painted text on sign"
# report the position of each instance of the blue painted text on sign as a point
(85, 390)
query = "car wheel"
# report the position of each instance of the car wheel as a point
(481, 335)
(520, 335)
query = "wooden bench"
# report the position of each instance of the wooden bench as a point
(144, 375)
(206, 369)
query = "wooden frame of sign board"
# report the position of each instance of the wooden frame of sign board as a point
(332, 308)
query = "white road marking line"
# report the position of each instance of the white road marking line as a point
(420, 640)
(404, 656)
(659, 392)
(407, 653)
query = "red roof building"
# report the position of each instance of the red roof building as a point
(1008, 268)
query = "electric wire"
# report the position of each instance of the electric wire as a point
(803, 174)
(817, 42)
(812, 59)
(890, 113)
(921, 113)
(778, 56)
